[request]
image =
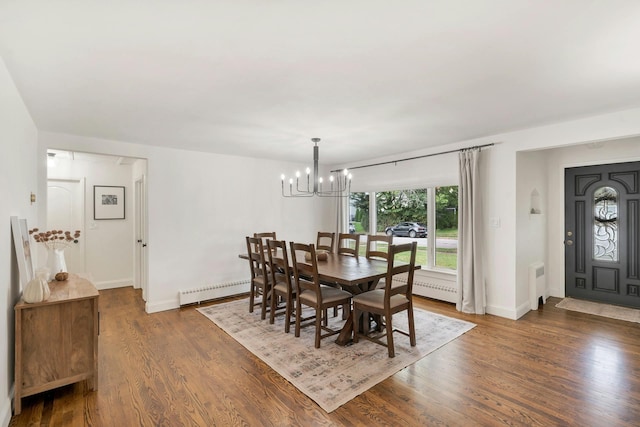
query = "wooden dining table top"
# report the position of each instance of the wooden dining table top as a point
(346, 270)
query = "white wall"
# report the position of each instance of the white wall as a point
(201, 206)
(616, 151)
(531, 228)
(18, 178)
(108, 243)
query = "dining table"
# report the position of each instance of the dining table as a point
(355, 275)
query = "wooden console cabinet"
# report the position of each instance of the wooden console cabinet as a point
(57, 339)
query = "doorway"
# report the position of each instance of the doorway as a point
(602, 233)
(108, 249)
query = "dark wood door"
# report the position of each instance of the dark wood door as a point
(602, 233)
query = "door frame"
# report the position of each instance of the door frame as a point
(140, 265)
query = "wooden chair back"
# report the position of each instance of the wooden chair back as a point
(305, 268)
(279, 262)
(325, 241)
(281, 279)
(270, 235)
(394, 268)
(373, 250)
(255, 252)
(260, 280)
(345, 241)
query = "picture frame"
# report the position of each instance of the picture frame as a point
(108, 202)
(22, 243)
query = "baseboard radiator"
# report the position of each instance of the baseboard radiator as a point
(211, 292)
(537, 284)
(432, 286)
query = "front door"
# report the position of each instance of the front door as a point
(602, 233)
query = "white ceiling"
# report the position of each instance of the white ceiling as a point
(369, 77)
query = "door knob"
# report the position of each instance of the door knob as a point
(569, 242)
(569, 233)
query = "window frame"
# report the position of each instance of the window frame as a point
(431, 222)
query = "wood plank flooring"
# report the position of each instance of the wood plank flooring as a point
(176, 368)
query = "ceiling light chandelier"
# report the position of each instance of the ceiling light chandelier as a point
(339, 186)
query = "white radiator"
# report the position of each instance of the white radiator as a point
(220, 290)
(537, 284)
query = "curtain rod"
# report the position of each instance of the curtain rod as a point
(417, 157)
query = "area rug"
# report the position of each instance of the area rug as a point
(332, 375)
(599, 309)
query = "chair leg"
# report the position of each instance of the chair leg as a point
(252, 293)
(412, 328)
(263, 306)
(318, 325)
(272, 310)
(298, 313)
(392, 350)
(287, 319)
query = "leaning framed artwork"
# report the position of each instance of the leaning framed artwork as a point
(23, 249)
(108, 202)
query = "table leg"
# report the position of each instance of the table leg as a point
(346, 333)
(345, 336)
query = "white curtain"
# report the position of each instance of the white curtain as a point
(471, 289)
(342, 211)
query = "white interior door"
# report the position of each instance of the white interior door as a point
(140, 264)
(65, 211)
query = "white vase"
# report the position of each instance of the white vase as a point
(55, 261)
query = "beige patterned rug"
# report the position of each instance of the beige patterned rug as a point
(599, 309)
(331, 375)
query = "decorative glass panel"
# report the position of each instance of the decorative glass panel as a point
(605, 224)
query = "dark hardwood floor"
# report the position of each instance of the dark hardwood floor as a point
(176, 368)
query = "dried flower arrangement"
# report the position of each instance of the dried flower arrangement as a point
(55, 239)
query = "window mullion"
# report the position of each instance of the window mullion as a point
(431, 227)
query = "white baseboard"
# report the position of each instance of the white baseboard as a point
(112, 284)
(502, 311)
(162, 306)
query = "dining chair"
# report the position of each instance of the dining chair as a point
(281, 279)
(310, 293)
(325, 241)
(345, 243)
(260, 281)
(390, 300)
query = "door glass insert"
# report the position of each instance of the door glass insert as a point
(605, 224)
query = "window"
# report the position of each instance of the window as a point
(605, 224)
(405, 214)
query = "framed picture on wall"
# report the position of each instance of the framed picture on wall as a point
(108, 202)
